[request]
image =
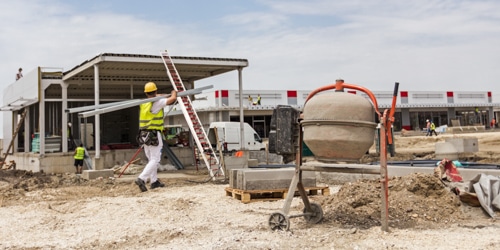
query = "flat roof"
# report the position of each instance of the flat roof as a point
(122, 74)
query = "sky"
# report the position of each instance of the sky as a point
(425, 45)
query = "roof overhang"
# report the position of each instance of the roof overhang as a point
(122, 76)
(131, 67)
(18, 104)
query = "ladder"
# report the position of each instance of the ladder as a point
(193, 121)
(11, 145)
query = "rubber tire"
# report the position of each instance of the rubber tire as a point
(318, 214)
(279, 221)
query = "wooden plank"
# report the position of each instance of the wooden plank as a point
(247, 196)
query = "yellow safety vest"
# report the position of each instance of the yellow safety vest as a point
(433, 126)
(148, 120)
(80, 153)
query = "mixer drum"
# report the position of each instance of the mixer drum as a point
(338, 126)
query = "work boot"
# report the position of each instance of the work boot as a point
(157, 184)
(141, 184)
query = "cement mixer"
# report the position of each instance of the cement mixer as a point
(338, 128)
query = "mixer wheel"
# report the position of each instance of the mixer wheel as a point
(279, 221)
(316, 216)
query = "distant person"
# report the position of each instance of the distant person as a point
(151, 124)
(258, 100)
(250, 100)
(433, 129)
(493, 123)
(71, 146)
(79, 155)
(428, 127)
(19, 74)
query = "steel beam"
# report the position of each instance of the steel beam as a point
(133, 103)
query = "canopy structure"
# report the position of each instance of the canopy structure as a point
(107, 77)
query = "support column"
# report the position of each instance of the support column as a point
(97, 125)
(405, 119)
(64, 115)
(242, 118)
(27, 132)
(42, 115)
(15, 118)
(491, 114)
(451, 115)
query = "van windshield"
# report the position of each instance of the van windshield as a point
(257, 137)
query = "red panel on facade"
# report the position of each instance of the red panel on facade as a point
(291, 93)
(404, 93)
(489, 93)
(224, 93)
(216, 94)
(449, 94)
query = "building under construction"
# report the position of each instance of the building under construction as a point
(46, 137)
(35, 107)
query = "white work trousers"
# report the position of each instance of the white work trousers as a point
(153, 153)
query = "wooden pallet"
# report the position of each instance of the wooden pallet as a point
(247, 196)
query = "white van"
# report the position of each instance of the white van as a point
(229, 132)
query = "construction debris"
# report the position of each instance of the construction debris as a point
(10, 165)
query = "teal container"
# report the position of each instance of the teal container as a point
(35, 143)
(306, 151)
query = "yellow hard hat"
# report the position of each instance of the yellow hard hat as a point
(150, 87)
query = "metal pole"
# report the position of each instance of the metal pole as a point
(242, 117)
(134, 103)
(383, 176)
(91, 107)
(131, 160)
(97, 121)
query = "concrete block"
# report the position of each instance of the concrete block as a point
(240, 176)
(232, 162)
(464, 145)
(94, 174)
(233, 177)
(266, 179)
(446, 150)
(266, 157)
(253, 162)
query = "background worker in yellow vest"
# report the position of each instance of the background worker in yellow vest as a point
(150, 134)
(433, 129)
(79, 155)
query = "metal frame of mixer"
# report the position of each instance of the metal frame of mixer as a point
(313, 212)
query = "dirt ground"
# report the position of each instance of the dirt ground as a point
(63, 211)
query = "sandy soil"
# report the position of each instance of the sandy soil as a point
(40, 211)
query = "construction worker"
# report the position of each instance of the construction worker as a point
(79, 155)
(19, 74)
(150, 134)
(433, 129)
(428, 127)
(258, 100)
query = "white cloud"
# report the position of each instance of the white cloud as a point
(425, 44)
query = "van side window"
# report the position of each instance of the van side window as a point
(257, 137)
